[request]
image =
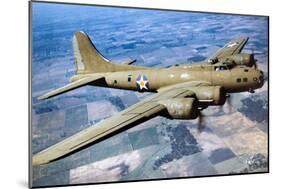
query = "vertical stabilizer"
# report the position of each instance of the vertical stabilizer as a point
(87, 58)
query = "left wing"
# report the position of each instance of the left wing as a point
(136, 114)
(233, 47)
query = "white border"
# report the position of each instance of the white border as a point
(14, 92)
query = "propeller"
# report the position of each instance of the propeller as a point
(265, 77)
(229, 103)
(253, 59)
(201, 117)
(201, 125)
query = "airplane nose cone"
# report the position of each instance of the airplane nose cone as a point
(260, 78)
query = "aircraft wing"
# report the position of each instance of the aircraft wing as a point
(71, 86)
(136, 114)
(233, 47)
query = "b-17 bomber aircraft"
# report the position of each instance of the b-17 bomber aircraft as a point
(179, 92)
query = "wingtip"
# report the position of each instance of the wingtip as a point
(43, 97)
(246, 38)
(36, 160)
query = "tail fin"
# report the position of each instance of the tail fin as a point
(87, 58)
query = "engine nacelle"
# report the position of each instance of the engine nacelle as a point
(243, 59)
(180, 108)
(211, 95)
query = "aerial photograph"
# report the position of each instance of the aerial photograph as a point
(128, 94)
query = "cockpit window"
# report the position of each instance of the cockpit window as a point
(223, 68)
(220, 68)
(229, 66)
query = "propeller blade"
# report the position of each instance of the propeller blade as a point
(228, 103)
(265, 77)
(254, 65)
(201, 125)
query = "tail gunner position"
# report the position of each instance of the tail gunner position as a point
(180, 91)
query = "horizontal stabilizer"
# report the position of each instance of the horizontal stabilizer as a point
(233, 47)
(70, 86)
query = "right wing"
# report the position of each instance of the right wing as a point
(136, 114)
(235, 46)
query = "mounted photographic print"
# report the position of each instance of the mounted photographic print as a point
(121, 94)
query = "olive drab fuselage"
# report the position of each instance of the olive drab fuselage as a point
(237, 79)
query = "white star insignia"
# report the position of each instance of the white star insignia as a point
(142, 83)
